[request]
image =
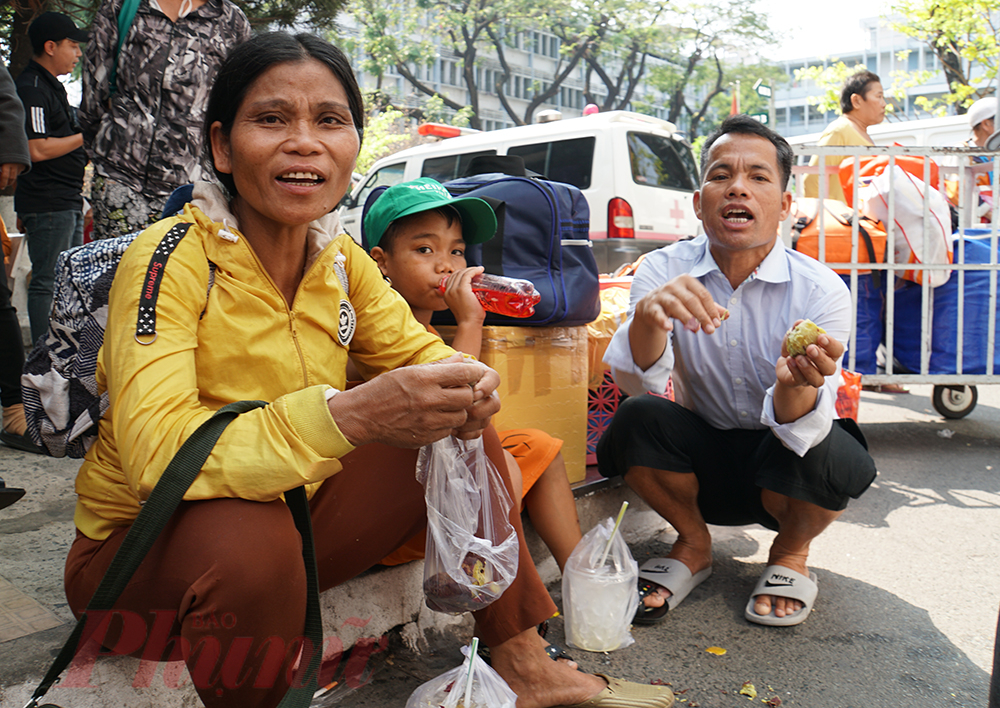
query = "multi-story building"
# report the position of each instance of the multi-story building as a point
(533, 56)
(883, 54)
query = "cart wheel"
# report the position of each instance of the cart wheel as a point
(954, 401)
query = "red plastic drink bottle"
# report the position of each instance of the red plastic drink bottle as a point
(513, 297)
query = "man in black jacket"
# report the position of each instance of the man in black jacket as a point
(48, 199)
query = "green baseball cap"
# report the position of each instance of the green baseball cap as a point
(479, 222)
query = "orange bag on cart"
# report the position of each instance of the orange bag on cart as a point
(837, 226)
(848, 395)
(874, 165)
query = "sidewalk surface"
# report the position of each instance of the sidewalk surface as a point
(906, 613)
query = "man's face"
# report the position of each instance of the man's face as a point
(741, 201)
(65, 54)
(982, 132)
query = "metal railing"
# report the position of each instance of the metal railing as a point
(953, 164)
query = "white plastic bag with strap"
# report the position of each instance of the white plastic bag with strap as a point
(911, 239)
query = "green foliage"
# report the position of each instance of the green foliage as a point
(701, 36)
(385, 134)
(831, 80)
(963, 35)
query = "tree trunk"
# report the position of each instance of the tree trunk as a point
(20, 45)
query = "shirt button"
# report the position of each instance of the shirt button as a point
(733, 342)
(737, 381)
(743, 414)
(733, 301)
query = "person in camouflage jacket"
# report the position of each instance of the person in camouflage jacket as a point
(145, 140)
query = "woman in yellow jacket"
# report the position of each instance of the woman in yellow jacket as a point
(262, 299)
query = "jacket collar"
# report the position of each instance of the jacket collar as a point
(211, 211)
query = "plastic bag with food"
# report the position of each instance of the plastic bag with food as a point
(474, 684)
(471, 552)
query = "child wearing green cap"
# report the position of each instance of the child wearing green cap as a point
(417, 233)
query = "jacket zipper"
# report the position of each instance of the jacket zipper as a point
(289, 310)
(159, 106)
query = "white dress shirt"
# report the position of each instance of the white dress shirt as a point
(728, 377)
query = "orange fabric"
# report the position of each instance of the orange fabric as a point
(874, 166)
(534, 451)
(5, 240)
(837, 227)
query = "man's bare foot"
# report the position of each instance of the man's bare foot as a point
(538, 681)
(783, 606)
(696, 557)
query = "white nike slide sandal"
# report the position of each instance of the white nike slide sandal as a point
(779, 581)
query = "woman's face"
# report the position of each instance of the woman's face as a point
(292, 147)
(870, 108)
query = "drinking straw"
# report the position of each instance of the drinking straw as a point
(468, 679)
(611, 538)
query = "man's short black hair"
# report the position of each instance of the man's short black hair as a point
(743, 124)
(856, 84)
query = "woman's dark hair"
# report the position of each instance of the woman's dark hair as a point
(247, 61)
(856, 84)
(745, 125)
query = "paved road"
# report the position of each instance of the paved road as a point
(909, 589)
(908, 599)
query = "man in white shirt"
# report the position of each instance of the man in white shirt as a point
(752, 437)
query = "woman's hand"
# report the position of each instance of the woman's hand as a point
(460, 299)
(417, 405)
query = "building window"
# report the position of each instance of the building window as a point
(798, 117)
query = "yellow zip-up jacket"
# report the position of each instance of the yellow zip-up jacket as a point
(248, 344)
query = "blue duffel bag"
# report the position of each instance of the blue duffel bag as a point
(543, 235)
(944, 343)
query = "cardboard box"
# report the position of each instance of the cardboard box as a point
(543, 384)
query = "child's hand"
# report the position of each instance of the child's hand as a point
(460, 299)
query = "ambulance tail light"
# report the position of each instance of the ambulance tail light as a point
(620, 221)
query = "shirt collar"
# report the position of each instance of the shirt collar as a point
(47, 75)
(773, 269)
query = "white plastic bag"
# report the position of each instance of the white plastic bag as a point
(471, 553)
(488, 690)
(910, 236)
(599, 601)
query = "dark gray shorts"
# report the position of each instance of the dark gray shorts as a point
(732, 466)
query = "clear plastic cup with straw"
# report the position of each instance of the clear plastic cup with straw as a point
(600, 595)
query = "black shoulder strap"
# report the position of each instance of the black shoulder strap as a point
(156, 512)
(145, 325)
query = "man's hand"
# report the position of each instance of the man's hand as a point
(812, 368)
(683, 299)
(416, 405)
(800, 378)
(9, 172)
